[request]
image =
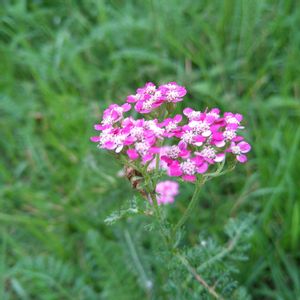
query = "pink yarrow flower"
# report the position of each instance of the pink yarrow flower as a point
(185, 145)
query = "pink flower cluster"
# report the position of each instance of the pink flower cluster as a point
(149, 97)
(187, 144)
(166, 190)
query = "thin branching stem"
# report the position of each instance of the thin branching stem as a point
(191, 205)
(160, 219)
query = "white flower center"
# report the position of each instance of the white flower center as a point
(199, 126)
(119, 110)
(236, 150)
(151, 125)
(208, 152)
(172, 95)
(148, 103)
(171, 86)
(188, 137)
(157, 95)
(195, 114)
(173, 152)
(142, 148)
(213, 114)
(119, 139)
(171, 126)
(107, 121)
(105, 136)
(232, 120)
(229, 134)
(150, 89)
(137, 132)
(188, 167)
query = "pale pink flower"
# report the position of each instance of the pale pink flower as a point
(166, 191)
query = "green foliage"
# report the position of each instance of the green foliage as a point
(63, 61)
(44, 275)
(215, 263)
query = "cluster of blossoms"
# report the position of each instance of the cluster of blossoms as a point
(149, 97)
(186, 144)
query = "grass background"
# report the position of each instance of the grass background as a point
(62, 62)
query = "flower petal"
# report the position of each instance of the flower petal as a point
(203, 168)
(219, 157)
(241, 158)
(245, 147)
(132, 154)
(174, 169)
(95, 139)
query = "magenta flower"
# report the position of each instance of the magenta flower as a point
(187, 168)
(171, 126)
(173, 92)
(239, 150)
(149, 102)
(233, 120)
(146, 98)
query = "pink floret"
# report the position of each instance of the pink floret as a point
(166, 191)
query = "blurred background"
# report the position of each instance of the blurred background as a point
(62, 62)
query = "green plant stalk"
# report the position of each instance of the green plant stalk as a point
(169, 239)
(191, 205)
(150, 189)
(160, 219)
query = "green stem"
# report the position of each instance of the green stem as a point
(191, 205)
(150, 189)
(160, 219)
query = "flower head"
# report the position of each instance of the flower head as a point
(185, 145)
